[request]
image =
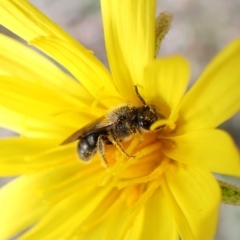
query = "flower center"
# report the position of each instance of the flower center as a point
(146, 165)
(147, 161)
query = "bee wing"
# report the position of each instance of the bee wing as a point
(95, 126)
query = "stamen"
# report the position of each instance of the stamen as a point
(120, 161)
(155, 174)
(145, 151)
(109, 174)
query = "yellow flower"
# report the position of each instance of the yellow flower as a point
(165, 191)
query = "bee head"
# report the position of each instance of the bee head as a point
(147, 115)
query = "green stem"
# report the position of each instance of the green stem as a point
(162, 26)
(230, 193)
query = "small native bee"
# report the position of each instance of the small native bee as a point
(113, 128)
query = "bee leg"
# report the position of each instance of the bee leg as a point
(101, 149)
(118, 145)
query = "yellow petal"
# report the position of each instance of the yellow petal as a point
(216, 96)
(115, 225)
(210, 149)
(23, 100)
(44, 127)
(130, 40)
(31, 155)
(15, 160)
(30, 24)
(20, 61)
(165, 81)
(81, 64)
(158, 222)
(19, 206)
(68, 215)
(11, 120)
(2, 72)
(59, 125)
(41, 127)
(26, 97)
(62, 180)
(40, 191)
(193, 196)
(135, 232)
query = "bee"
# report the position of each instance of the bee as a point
(113, 128)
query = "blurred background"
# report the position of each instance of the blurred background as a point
(199, 30)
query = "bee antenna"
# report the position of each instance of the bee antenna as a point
(139, 96)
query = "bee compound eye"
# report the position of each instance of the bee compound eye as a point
(146, 124)
(146, 118)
